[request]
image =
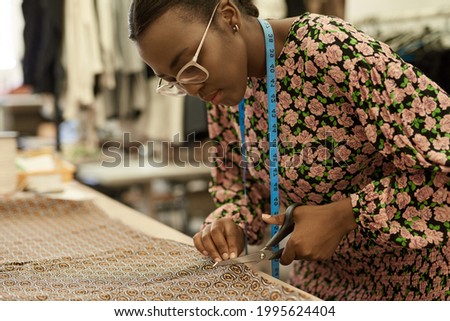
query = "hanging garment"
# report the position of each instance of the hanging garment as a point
(106, 14)
(82, 55)
(42, 44)
(70, 250)
(131, 62)
(122, 86)
(32, 14)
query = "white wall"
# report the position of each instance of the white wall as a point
(11, 44)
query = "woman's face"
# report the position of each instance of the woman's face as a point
(171, 42)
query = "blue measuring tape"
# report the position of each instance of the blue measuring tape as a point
(273, 133)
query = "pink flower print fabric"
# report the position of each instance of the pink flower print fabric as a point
(356, 121)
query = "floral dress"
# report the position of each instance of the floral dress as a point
(354, 120)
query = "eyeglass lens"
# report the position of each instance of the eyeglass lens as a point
(170, 88)
(192, 74)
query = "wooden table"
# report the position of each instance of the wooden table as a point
(135, 173)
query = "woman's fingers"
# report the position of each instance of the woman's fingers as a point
(217, 237)
(288, 254)
(199, 243)
(221, 240)
(204, 243)
(273, 219)
(235, 239)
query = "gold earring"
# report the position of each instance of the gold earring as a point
(235, 28)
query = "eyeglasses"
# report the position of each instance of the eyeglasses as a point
(191, 73)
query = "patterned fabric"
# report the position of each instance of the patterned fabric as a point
(67, 250)
(356, 121)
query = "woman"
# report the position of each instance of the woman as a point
(363, 145)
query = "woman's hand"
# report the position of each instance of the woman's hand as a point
(318, 230)
(221, 240)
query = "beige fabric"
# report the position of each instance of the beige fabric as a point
(68, 250)
(81, 55)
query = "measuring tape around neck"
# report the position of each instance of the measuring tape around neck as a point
(273, 133)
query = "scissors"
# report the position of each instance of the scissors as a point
(266, 253)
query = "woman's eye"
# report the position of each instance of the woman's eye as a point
(170, 81)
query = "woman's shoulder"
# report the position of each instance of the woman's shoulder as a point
(310, 24)
(301, 30)
(312, 29)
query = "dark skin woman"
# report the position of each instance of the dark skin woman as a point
(379, 195)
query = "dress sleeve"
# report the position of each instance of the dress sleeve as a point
(405, 117)
(227, 184)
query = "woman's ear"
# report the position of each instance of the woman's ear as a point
(230, 13)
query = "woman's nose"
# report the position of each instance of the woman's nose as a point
(192, 89)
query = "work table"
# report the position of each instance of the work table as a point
(83, 245)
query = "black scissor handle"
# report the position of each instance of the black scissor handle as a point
(276, 255)
(285, 229)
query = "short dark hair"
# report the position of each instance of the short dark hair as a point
(143, 13)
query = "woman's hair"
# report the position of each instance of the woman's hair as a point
(143, 13)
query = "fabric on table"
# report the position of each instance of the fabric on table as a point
(70, 250)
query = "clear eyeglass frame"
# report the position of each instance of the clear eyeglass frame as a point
(191, 73)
